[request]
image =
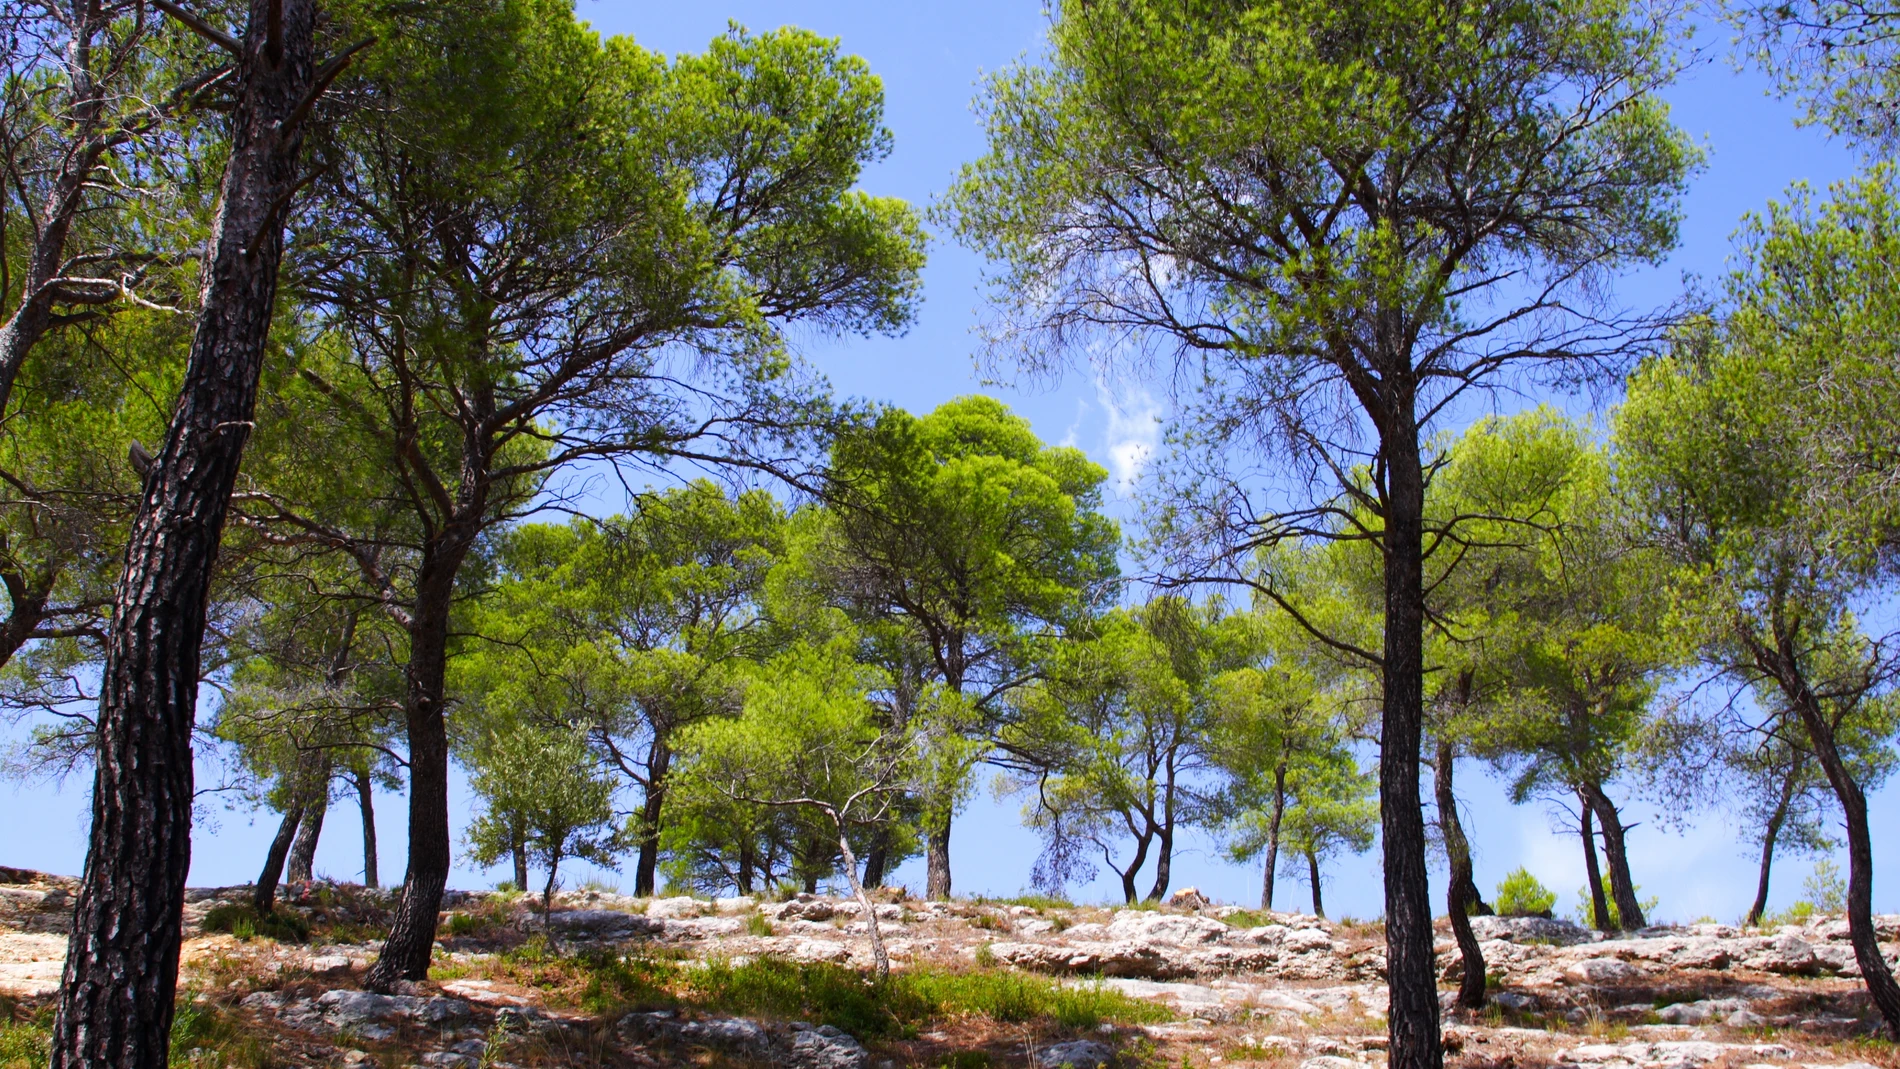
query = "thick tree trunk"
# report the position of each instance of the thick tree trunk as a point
(1599, 906)
(406, 953)
(1412, 1027)
(264, 895)
(876, 859)
(303, 853)
(1273, 835)
(366, 803)
(519, 850)
(1629, 912)
(1785, 666)
(1770, 833)
(647, 866)
(937, 862)
(1458, 897)
(121, 975)
(745, 868)
(1312, 874)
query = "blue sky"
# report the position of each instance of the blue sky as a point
(931, 57)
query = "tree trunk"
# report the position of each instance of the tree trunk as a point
(659, 757)
(1769, 834)
(1164, 854)
(264, 895)
(1599, 906)
(849, 864)
(937, 862)
(121, 975)
(1629, 912)
(406, 953)
(1860, 852)
(1458, 888)
(520, 851)
(745, 867)
(1412, 1027)
(1273, 835)
(877, 858)
(303, 853)
(1134, 866)
(1312, 873)
(366, 802)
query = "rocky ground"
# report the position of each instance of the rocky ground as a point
(603, 979)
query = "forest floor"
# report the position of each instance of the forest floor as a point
(601, 979)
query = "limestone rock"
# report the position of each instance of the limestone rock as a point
(1188, 898)
(1075, 1054)
(680, 908)
(1602, 971)
(1531, 929)
(824, 1048)
(1701, 1012)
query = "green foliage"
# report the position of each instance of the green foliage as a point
(207, 1036)
(1521, 895)
(241, 920)
(829, 994)
(756, 924)
(1585, 908)
(1826, 888)
(542, 795)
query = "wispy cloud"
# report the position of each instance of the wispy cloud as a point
(1133, 431)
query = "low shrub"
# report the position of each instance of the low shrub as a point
(1521, 895)
(1585, 909)
(241, 920)
(205, 1036)
(756, 924)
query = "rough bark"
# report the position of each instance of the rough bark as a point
(1629, 912)
(1312, 875)
(1412, 1027)
(303, 852)
(520, 852)
(117, 992)
(405, 954)
(647, 866)
(1782, 663)
(1273, 835)
(1599, 905)
(1770, 833)
(366, 803)
(937, 862)
(1458, 897)
(264, 895)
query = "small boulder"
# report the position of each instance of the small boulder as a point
(1189, 898)
(1075, 1054)
(1602, 971)
(825, 1047)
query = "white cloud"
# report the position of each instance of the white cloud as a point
(1133, 432)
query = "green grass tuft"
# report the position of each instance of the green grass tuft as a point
(241, 920)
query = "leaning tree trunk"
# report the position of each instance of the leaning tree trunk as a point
(303, 852)
(1599, 906)
(1860, 853)
(881, 961)
(1312, 874)
(116, 994)
(1629, 912)
(1412, 1027)
(1458, 888)
(366, 803)
(264, 895)
(1770, 833)
(1273, 835)
(405, 954)
(1164, 847)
